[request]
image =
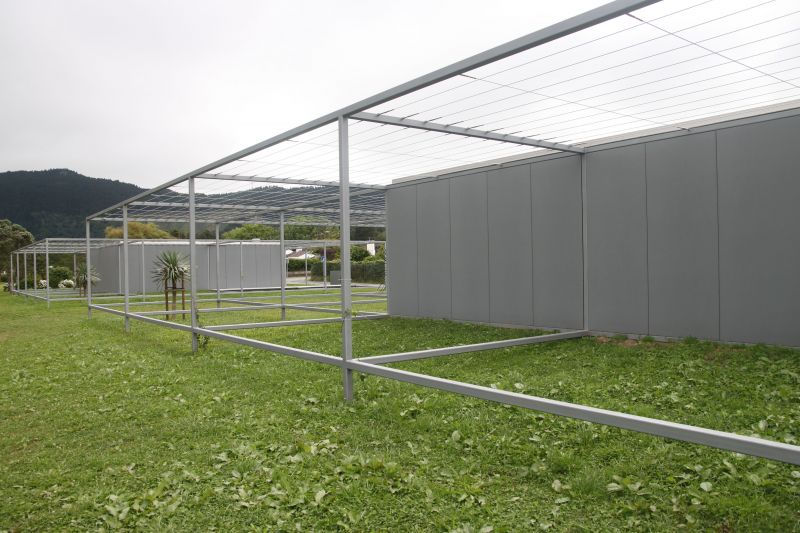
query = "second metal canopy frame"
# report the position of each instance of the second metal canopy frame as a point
(161, 204)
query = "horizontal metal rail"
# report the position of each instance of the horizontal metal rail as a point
(274, 324)
(277, 348)
(314, 308)
(466, 132)
(777, 451)
(452, 350)
(149, 320)
(758, 447)
(282, 323)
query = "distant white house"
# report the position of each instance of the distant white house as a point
(299, 253)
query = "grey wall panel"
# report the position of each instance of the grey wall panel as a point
(617, 236)
(232, 266)
(275, 263)
(557, 243)
(433, 247)
(510, 254)
(759, 213)
(261, 257)
(690, 235)
(401, 253)
(135, 268)
(470, 247)
(250, 267)
(261, 266)
(682, 237)
(106, 261)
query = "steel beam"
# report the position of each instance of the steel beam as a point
(465, 132)
(216, 249)
(545, 35)
(193, 265)
(274, 324)
(777, 451)
(344, 253)
(303, 207)
(452, 350)
(144, 274)
(287, 181)
(283, 268)
(35, 280)
(277, 348)
(282, 323)
(88, 269)
(585, 240)
(125, 272)
(47, 270)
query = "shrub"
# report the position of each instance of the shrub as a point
(358, 253)
(298, 265)
(362, 272)
(59, 274)
(66, 284)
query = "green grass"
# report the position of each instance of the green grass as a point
(100, 429)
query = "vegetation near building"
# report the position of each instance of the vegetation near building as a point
(252, 231)
(12, 236)
(137, 230)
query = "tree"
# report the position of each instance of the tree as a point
(12, 236)
(252, 231)
(172, 268)
(84, 276)
(137, 230)
(59, 274)
(358, 253)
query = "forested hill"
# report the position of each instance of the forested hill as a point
(55, 203)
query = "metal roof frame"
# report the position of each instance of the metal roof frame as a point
(494, 110)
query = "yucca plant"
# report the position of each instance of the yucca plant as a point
(171, 271)
(83, 275)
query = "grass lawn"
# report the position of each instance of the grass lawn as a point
(100, 429)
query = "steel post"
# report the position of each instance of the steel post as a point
(283, 268)
(125, 273)
(193, 264)
(241, 267)
(144, 274)
(584, 242)
(25, 264)
(324, 265)
(216, 270)
(47, 270)
(35, 276)
(344, 252)
(88, 269)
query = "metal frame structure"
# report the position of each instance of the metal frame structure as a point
(526, 97)
(48, 247)
(77, 247)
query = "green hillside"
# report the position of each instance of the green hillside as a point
(55, 202)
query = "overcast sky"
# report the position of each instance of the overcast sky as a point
(144, 91)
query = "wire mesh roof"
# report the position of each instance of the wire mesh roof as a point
(64, 245)
(619, 71)
(78, 246)
(253, 201)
